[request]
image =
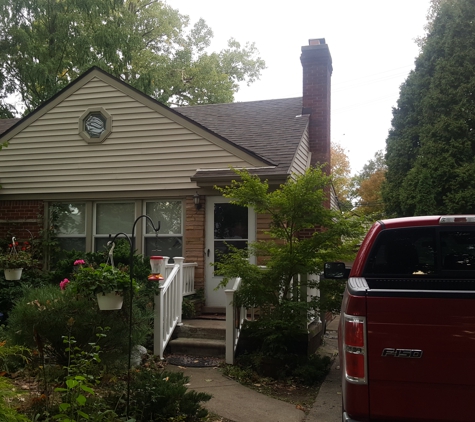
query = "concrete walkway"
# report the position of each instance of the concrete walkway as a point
(237, 403)
(327, 406)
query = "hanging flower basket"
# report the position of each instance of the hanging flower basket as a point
(13, 274)
(16, 259)
(111, 301)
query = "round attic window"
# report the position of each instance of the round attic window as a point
(95, 125)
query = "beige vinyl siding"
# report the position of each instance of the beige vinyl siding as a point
(301, 159)
(334, 200)
(146, 151)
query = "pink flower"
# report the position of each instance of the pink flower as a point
(79, 262)
(63, 284)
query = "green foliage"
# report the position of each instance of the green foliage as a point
(17, 256)
(20, 259)
(306, 370)
(9, 354)
(78, 393)
(144, 43)
(431, 147)
(88, 280)
(42, 316)
(7, 413)
(304, 234)
(312, 370)
(366, 190)
(163, 396)
(331, 295)
(13, 356)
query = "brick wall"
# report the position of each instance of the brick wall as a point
(19, 217)
(195, 238)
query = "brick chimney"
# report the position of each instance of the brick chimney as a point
(317, 70)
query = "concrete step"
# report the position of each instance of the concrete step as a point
(198, 347)
(202, 329)
(199, 337)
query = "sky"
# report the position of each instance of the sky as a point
(372, 44)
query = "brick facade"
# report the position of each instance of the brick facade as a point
(194, 242)
(21, 219)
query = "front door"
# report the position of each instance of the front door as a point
(226, 224)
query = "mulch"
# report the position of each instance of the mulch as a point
(194, 361)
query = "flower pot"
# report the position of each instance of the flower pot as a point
(109, 301)
(13, 274)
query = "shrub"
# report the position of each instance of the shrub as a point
(42, 316)
(312, 370)
(10, 291)
(296, 246)
(161, 396)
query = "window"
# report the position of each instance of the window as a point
(112, 218)
(404, 252)
(84, 226)
(95, 125)
(69, 220)
(423, 252)
(169, 240)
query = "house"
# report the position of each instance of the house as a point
(100, 153)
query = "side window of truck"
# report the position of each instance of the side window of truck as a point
(407, 252)
(458, 250)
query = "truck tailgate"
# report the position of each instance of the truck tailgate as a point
(437, 383)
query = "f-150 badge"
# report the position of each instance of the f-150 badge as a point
(402, 353)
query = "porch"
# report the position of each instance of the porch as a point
(214, 335)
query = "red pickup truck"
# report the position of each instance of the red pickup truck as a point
(407, 326)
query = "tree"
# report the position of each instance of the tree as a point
(44, 45)
(431, 147)
(341, 175)
(367, 185)
(296, 209)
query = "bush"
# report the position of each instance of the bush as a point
(306, 370)
(10, 291)
(312, 370)
(161, 396)
(43, 315)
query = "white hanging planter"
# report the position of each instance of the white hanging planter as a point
(13, 274)
(109, 301)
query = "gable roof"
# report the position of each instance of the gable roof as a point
(273, 129)
(263, 136)
(95, 72)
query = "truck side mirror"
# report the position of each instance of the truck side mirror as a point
(335, 270)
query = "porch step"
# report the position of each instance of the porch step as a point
(199, 337)
(198, 347)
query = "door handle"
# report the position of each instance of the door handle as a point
(207, 253)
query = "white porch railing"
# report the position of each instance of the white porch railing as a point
(168, 306)
(235, 317)
(188, 276)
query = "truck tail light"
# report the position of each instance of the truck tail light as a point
(354, 346)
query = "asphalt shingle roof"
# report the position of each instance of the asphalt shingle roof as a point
(7, 124)
(272, 129)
